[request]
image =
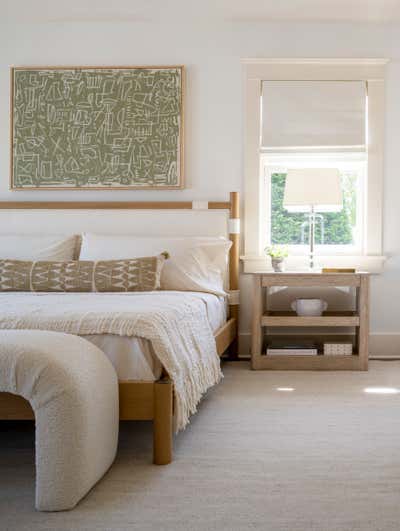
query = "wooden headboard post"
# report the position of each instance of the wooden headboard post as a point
(234, 235)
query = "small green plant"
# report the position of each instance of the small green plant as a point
(277, 251)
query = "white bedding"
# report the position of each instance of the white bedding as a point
(176, 323)
(134, 358)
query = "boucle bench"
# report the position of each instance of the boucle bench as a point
(73, 390)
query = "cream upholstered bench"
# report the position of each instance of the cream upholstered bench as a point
(73, 390)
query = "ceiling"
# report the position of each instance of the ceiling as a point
(378, 11)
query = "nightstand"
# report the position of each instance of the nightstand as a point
(357, 320)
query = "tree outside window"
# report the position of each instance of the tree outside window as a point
(333, 228)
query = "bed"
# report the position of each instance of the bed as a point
(145, 388)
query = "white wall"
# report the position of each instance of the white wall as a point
(214, 110)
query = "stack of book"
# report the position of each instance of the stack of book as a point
(292, 350)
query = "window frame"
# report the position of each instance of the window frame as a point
(372, 72)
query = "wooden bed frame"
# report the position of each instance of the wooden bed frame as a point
(149, 400)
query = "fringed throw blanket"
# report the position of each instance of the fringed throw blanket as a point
(176, 324)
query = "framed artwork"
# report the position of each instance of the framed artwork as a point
(103, 128)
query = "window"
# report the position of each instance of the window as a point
(298, 115)
(336, 232)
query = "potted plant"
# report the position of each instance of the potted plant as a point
(278, 253)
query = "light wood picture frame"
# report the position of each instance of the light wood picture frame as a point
(97, 128)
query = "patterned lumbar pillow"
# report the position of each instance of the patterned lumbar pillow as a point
(138, 274)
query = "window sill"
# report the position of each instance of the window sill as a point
(369, 263)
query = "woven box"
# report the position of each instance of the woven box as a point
(338, 349)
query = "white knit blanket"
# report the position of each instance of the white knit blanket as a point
(175, 323)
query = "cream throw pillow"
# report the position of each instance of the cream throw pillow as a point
(38, 247)
(199, 268)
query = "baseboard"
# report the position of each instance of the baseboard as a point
(384, 345)
(381, 344)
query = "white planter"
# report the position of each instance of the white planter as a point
(278, 264)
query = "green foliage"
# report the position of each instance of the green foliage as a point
(286, 227)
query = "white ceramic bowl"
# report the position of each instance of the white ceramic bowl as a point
(309, 307)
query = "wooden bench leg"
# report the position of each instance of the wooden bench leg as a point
(162, 425)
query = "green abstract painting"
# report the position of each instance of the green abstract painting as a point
(103, 128)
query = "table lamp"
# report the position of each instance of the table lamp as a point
(313, 190)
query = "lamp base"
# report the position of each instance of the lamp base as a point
(312, 237)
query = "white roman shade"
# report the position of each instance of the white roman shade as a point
(313, 113)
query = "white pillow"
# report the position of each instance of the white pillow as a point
(37, 247)
(197, 270)
(195, 264)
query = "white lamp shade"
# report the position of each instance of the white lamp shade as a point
(317, 188)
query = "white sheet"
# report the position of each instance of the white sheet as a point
(133, 357)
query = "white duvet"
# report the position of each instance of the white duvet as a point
(176, 323)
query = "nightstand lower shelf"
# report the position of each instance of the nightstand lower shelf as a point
(307, 363)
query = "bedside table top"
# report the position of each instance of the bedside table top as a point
(306, 272)
(309, 279)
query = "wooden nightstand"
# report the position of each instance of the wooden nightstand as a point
(358, 319)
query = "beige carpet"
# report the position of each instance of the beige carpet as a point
(323, 457)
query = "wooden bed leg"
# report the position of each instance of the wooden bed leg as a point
(233, 350)
(162, 425)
